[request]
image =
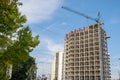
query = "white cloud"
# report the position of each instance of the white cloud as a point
(43, 65)
(49, 46)
(44, 54)
(115, 76)
(39, 10)
(44, 68)
(52, 46)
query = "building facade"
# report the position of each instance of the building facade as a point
(57, 66)
(53, 70)
(86, 55)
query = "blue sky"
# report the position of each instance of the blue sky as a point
(47, 19)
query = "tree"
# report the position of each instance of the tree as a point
(25, 70)
(16, 40)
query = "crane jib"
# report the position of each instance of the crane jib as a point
(82, 14)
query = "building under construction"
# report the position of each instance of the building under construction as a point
(86, 55)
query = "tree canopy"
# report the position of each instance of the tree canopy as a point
(25, 70)
(16, 40)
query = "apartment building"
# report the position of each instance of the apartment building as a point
(57, 67)
(86, 55)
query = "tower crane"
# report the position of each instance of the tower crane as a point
(84, 15)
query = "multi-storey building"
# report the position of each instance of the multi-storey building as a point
(85, 54)
(57, 66)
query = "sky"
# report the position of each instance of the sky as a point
(47, 19)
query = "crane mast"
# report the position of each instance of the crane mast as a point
(84, 15)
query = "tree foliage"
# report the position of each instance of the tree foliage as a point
(16, 40)
(25, 70)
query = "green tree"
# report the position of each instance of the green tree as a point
(25, 70)
(16, 40)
